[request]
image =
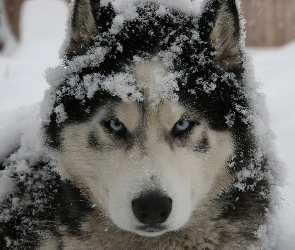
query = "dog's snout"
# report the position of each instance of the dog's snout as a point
(152, 208)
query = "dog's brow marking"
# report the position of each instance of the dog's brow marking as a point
(94, 142)
(202, 145)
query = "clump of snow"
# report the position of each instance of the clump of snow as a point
(27, 184)
(122, 85)
(261, 120)
(208, 86)
(61, 115)
(186, 6)
(20, 144)
(20, 130)
(117, 24)
(160, 83)
(266, 150)
(230, 119)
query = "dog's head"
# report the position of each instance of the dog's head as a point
(145, 115)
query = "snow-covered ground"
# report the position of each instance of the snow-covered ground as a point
(43, 23)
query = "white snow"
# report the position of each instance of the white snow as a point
(6, 35)
(184, 5)
(22, 83)
(21, 75)
(19, 134)
(275, 67)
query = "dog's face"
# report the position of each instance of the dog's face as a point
(154, 161)
(148, 166)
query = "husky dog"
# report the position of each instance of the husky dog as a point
(151, 120)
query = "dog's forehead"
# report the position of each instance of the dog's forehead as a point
(158, 105)
(146, 72)
(166, 114)
(133, 114)
(129, 114)
(157, 81)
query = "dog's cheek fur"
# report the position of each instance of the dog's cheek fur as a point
(82, 162)
(210, 176)
(112, 181)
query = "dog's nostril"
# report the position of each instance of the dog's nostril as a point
(144, 215)
(152, 208)
(163, 215)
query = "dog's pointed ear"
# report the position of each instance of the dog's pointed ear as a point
(88, 18)
(220, 25)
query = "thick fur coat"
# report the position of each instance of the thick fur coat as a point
(151, 122)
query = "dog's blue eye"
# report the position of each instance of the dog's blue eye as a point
(116, 125)
(182, 125)
(115, 128)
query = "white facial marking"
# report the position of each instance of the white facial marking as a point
(157, 80)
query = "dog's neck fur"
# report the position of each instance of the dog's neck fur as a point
(101, 233)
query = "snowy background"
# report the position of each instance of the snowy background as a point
(42, 25)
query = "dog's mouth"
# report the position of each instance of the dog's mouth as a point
(152, 228)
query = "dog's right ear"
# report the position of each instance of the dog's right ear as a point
(220, 25)
(88, 18)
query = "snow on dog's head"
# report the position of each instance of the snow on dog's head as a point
(152, 116)
(194, 50)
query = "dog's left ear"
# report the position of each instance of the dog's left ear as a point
(220, 25)
(88, 18)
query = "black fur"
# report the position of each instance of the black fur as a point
(44, 199)
(94, 142)
(202, 145)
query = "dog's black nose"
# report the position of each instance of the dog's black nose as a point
(152, 208)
